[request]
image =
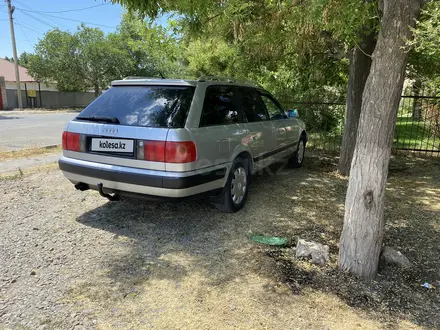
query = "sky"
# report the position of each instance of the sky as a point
(33, 18)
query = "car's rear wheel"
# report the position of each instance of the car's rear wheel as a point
(235, 192)
(297, 158)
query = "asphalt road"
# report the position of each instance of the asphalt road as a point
(22, 130)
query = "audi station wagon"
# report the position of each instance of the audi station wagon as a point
(171, 139)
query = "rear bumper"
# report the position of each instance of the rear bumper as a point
(141, 181)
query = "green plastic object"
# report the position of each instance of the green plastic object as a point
(269, 240)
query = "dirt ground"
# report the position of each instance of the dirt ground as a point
(71, 259)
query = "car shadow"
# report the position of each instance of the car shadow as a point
(167, 240)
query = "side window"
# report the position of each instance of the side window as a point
(252, 106)
(219, 107)
(274, 110)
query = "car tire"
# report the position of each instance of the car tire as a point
(297, 158)
(234, 194)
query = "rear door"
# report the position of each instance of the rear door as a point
(221, 126)
(262, 132)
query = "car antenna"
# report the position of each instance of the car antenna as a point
(161, 75)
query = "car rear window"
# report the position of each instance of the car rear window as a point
(147, 106)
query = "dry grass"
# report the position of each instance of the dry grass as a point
(20, 173)
(25, 153)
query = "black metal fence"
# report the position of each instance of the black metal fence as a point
(417, 126)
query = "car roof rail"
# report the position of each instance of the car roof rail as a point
(139, 77)
(229, 80)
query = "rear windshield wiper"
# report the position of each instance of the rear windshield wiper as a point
(112, 120)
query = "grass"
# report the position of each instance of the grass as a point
(413, 134)
(325, 141)
(25, 153)
(19, 173)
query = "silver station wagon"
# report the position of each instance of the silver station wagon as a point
(172, 139)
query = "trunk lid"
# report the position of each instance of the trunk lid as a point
(120, 122)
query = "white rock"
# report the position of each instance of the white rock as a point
(318, 252)
(392, 256)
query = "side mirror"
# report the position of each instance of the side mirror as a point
(293, 113)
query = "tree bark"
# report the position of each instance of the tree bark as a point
(359, 69)
(417, 105)
(96, 90)
(361, 238)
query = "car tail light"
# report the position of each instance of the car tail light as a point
(166, 151)
(71, 141)
(180, 152)
(154, 151)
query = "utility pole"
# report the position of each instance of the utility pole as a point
(14, 50)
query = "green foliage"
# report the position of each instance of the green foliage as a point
(322, 117)
(55, 60)
(211, 57)
(89, 59)
(152, 50)
(425, 55)
(427, 32)
(23, 59)
(98, 58)
(296, 50)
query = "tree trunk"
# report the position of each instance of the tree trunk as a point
(96, 90)
(359, 69)
(417, 105)
(361, 238)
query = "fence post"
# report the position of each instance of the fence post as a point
(3, 94)
(39, 93)
(416, 104)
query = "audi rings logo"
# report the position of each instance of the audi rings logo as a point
(111, 131)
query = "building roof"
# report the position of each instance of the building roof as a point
(7, 70)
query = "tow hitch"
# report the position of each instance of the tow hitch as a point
(112, 198)
(82, 186)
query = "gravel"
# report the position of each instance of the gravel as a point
(73, 260)
(56, 241)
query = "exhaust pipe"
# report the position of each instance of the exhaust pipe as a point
(111, 198)
(82, 186)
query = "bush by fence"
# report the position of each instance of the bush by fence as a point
(417, 126)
